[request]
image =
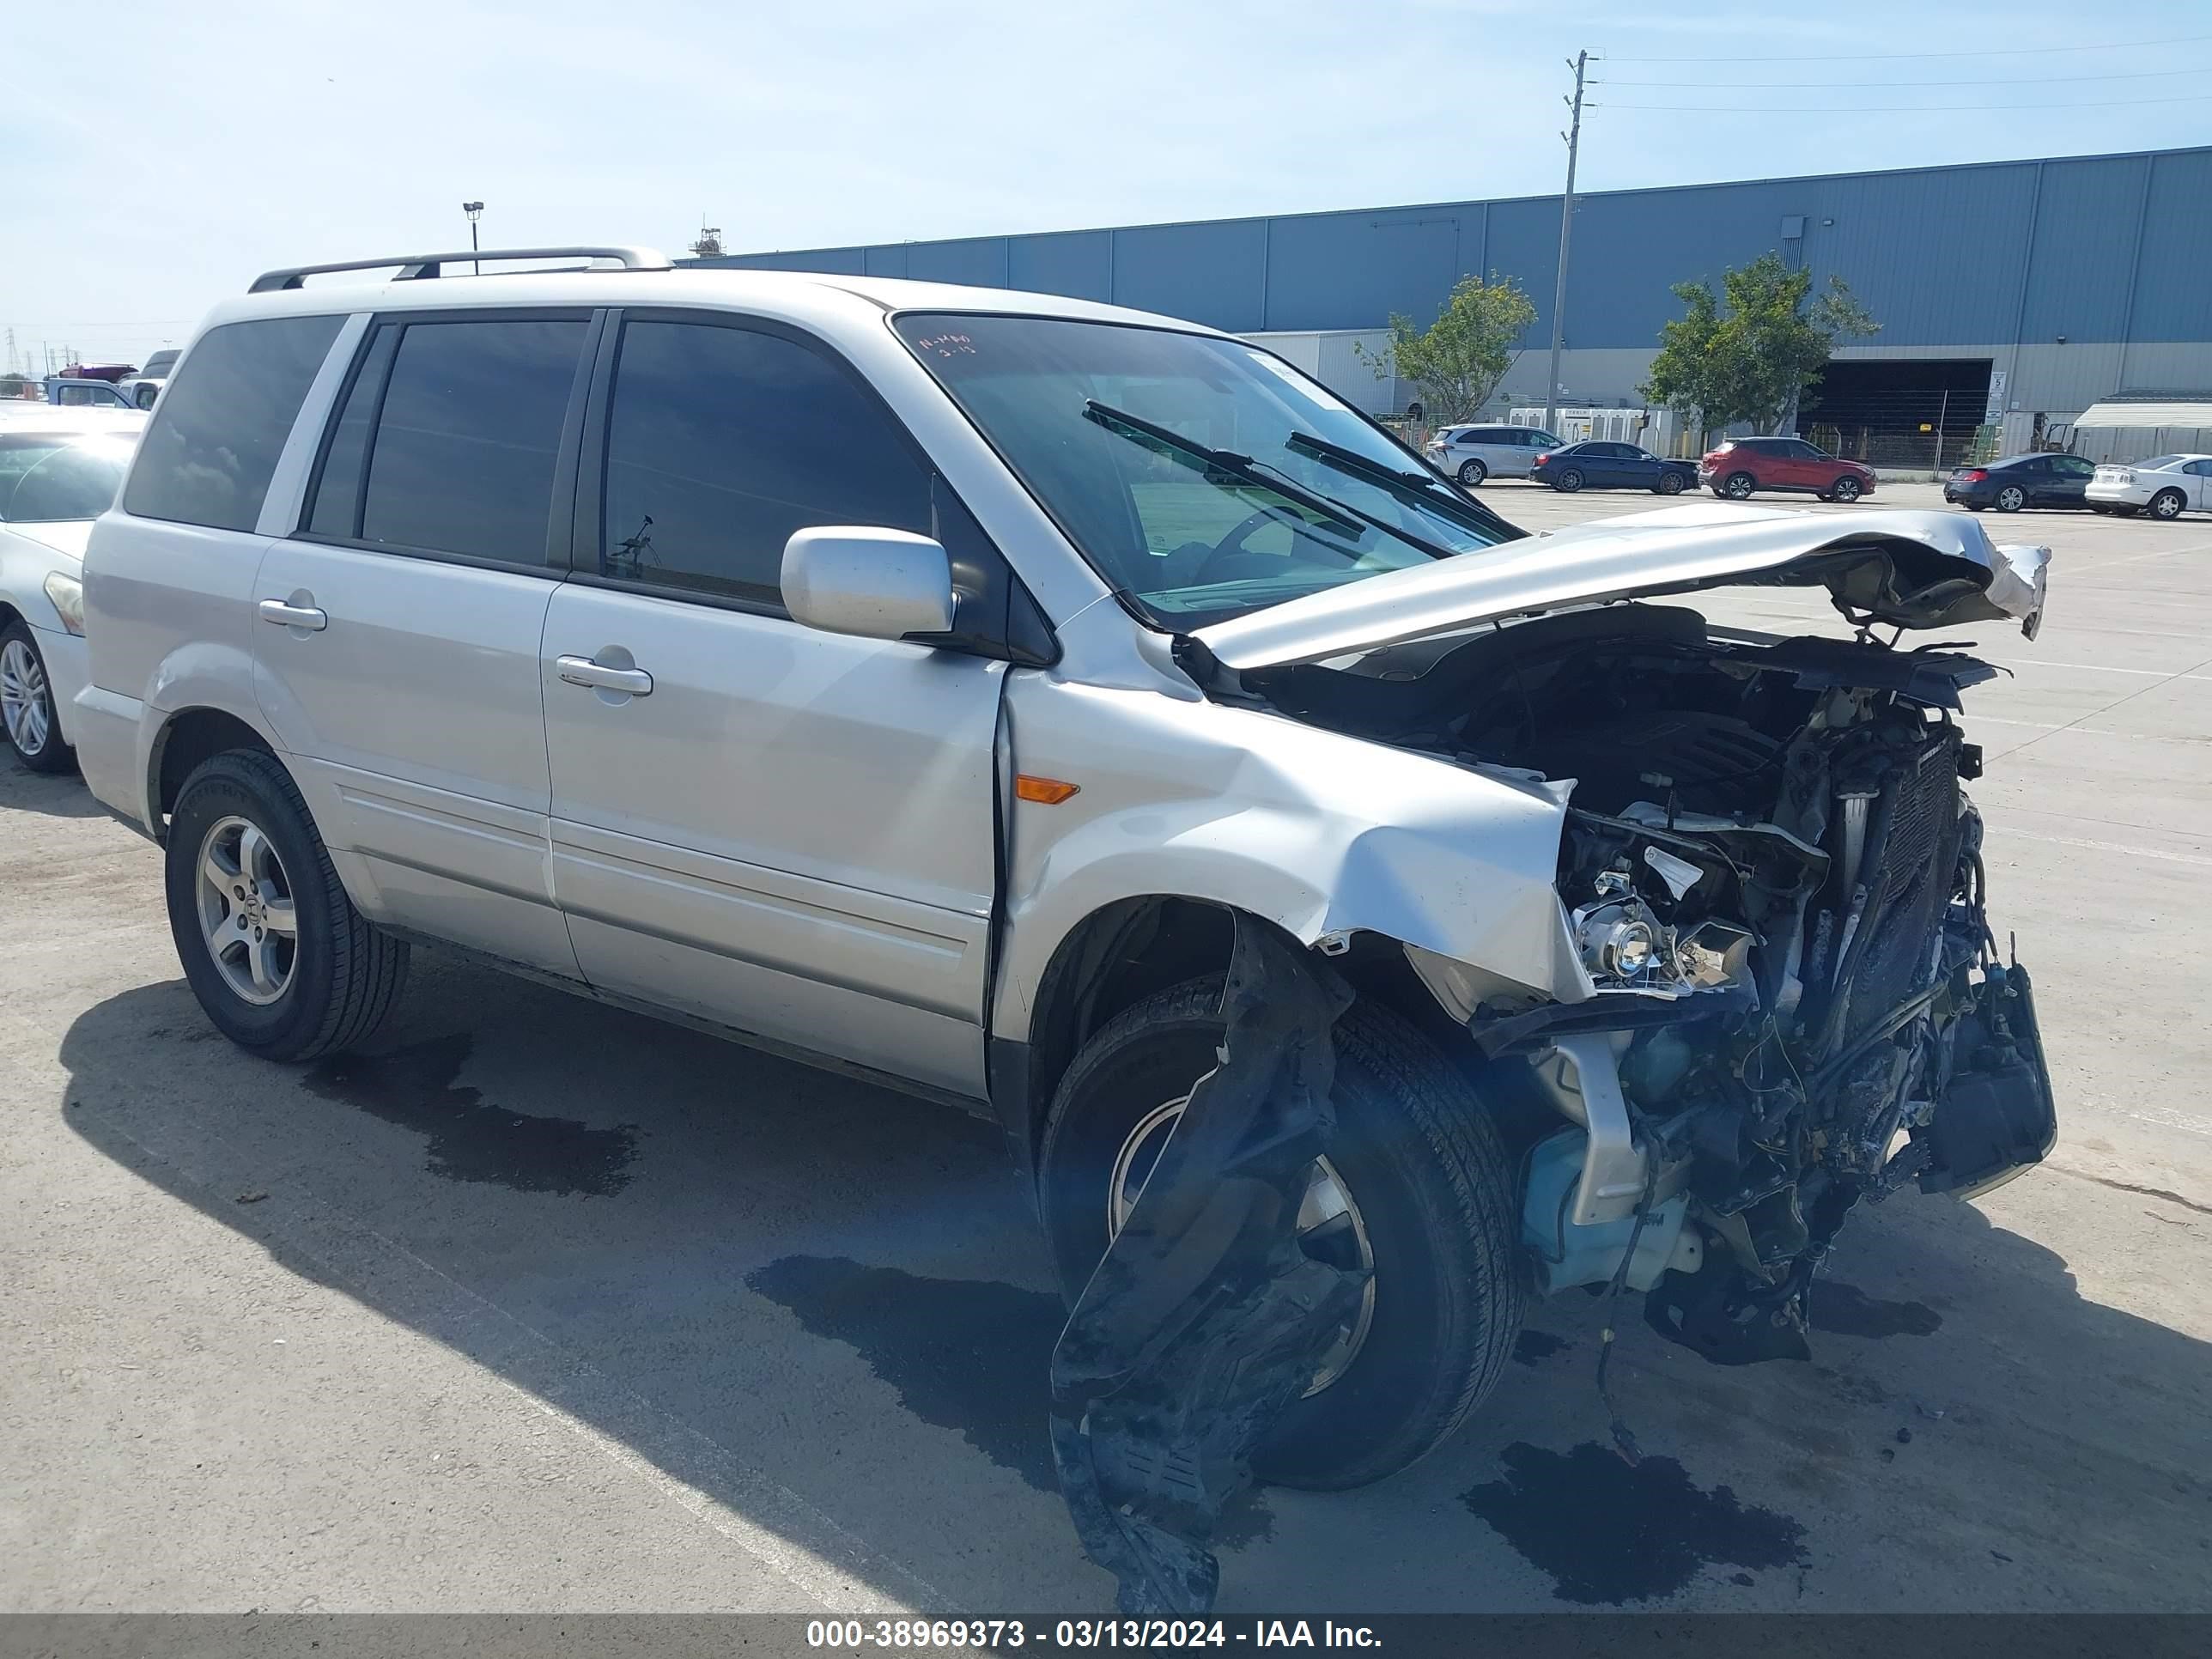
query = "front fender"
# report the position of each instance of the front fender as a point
(1315, 831)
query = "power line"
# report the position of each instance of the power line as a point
(1907, 86)
(1885, 109)
(1902, 56)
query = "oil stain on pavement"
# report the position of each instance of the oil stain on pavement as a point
(413, 1087)
(965, 1355)
(1847, 1310)
(1608, 1532)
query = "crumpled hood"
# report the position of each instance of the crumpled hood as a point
(1911, 569)
(65, 536)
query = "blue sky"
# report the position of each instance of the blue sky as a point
(158, 155)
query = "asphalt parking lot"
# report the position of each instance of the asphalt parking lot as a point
(542, 1306)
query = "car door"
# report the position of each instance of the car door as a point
(397, 654)
(786, 831)
(2067, 481)
(1640, 468)
(2199, 474)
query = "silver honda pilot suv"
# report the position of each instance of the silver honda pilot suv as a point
(937, 682)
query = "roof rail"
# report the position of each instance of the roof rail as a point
(415, 266)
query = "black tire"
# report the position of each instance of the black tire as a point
(1737, 486)
(1845, 490)
(1422, 1160)
(2166, 504)
(49, 754)
(2010, 498)
(345, 973)
(2127, 511)
(1977, 507)
(1568, 481)
(1472, 473)
(1670, 484)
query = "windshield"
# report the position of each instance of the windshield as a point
(1202, 478)
(158, 364)
(47, 477)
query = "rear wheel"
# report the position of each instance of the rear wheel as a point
(26, 703)
(1738, 486)
(1472, 473)
(1568, 480)
(273, 948)
(1417, 1186)
(2166, 504)
(2011, 499)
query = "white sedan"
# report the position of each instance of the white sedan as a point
(2164, 486)
(60, 470)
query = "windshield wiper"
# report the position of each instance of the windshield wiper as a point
(1418, 488)
(1243, 468)
(1261, 476)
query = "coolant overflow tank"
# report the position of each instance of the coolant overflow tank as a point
(1567, 1254)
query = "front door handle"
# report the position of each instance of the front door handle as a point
(582, 670)
(286, 615)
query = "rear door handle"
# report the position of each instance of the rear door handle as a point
(285, 615)
(582, 670)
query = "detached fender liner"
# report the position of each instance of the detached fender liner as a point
(1205, 1318)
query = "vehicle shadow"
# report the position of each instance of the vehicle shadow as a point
(828, 1308)
(55, 795)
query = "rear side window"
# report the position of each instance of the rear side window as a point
(212, 445)
(722, 442)
(467, 437)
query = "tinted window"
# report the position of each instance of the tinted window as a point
(2201, 469)
(212, 445)
(2074, 467)
(462, 455)
(336, 508)
(721, 442)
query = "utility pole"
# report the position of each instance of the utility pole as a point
(1573, 135)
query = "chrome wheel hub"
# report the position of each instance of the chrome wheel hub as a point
(244, 899)
(1330, 1226)
(25, 706)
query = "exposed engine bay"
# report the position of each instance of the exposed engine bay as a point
(1772, 879)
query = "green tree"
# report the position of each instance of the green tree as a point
(1458, 360)
(1749, 353)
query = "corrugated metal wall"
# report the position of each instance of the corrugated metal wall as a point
(2096, 248)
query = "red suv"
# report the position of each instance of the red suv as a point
(1740, 465)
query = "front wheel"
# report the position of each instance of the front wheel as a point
(1670, 484)
(26, 703)
(1472, 473)
(1417, 1186)
(2166, 504)
(1568, 482)
(1738, 486)
(279, 958)
(1845, 490)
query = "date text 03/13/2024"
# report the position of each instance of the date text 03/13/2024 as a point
(916, 1634)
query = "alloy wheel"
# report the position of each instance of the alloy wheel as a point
(1330, 1226)
(244, 898)
(26, 704)
(2011, 499)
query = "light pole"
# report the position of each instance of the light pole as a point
(474, 210)
(1573, 135)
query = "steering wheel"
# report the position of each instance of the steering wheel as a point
(1231, 546)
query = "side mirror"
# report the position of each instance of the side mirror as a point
(877, 584)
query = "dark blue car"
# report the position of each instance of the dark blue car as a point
(1595, 463)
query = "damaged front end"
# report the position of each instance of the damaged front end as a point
(1775, 888)
(1776, 990)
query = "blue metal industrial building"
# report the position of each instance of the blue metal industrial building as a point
(2027, 288)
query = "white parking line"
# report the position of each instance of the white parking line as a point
(2132, 852)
